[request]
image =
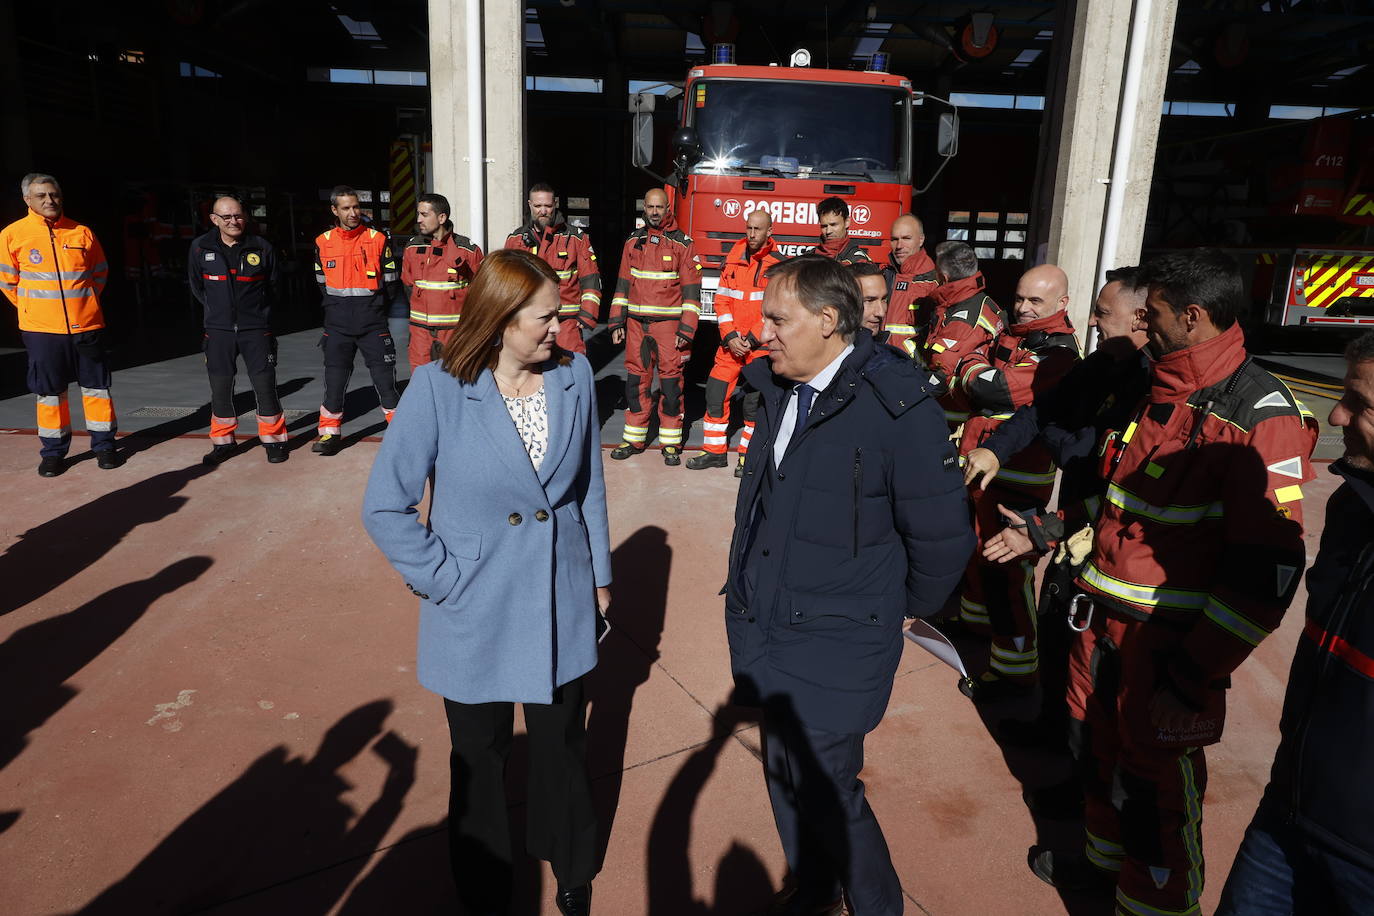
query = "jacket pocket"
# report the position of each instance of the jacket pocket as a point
(464, 544)
(807, 610)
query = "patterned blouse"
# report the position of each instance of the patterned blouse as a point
(531, 416)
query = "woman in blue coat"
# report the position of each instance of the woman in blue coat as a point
(511, 567)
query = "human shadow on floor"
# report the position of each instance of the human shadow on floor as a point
(284, 818)
(37, 661)
(50, 554)
(743, 884)
(641, 564)
(418, 865)
(143, 439)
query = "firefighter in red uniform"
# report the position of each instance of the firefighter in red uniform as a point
(912, 276)
(568, 250)
(962, 319)
(1196, 555)
(356, 271)
(1020, 364)
(833, 215)
(739, 313)
(436, 268)
(655, 312)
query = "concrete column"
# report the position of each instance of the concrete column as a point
(1087, 114)
(503, 44)
(503, 73)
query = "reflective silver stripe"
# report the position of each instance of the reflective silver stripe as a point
(103, 393)
(439, 284)
(348, 291)
(7, 269)
(99, 426)
(1170, 515)
(1234, 622)
(671, 311)
(47, 276)
(726, 291)
(55, 293)
(653, 274)
(1144, 595)
(52, 276)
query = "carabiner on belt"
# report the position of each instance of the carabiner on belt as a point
(1073, 613)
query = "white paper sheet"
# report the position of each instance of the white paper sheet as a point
(934, 642)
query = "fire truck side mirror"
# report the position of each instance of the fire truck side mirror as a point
(687, 147)
(947, 138)
(642, 131)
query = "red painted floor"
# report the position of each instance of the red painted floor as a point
(210, 707)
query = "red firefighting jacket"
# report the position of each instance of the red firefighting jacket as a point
(910, 282)
(437, 277)
(660, 279)
(1201, 523)
(843, 250)
(568, 250)
(1016, 367)
(53, 274)
(353, 269)
(739, 298)
(963, 318)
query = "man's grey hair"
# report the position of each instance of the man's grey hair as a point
(1361, 349)
(955, 260)
(341, 190)
(37, 178)
(820, 281)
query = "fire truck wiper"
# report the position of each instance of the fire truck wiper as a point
(761, 170)
(864, 174)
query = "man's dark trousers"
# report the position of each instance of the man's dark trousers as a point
(829, 833)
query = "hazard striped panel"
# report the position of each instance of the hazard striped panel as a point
(403, 183)
(1328, 278)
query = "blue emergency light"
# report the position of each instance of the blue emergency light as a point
(722, 54)
(879, 61)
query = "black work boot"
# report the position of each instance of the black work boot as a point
(108, 459)
(276, 452)
(51, 466)
(327, 445)
(625, 450)
(672, 455)
(707, 460)
(218, 454)
(1069, 871)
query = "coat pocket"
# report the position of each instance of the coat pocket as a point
(464, 544)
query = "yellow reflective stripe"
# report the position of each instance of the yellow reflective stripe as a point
(1143, 595)
(566, 274)
(956, 416)
(900, 328)
(1192, 827)
(591, 297)
(671, 311)
(1234, 622)
(1122, 498)
(653, 274)
(427, 318)
(692, 307)
(441, 284)
(1026, 478)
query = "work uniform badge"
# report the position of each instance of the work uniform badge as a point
(253, 259)
(35, 256)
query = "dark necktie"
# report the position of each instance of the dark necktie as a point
(804, 395)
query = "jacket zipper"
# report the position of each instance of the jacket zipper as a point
(61, 293)
(858, 495)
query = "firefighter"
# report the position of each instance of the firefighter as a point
(836, 244)
(912, 275)
(53, 269)
(233, 275)
(436, 269)
(356, 272)
(739, 304)
(655, 313)
(962, 318)
(1198, 549)
(1021, 364)
(568, 250)
(873, 291)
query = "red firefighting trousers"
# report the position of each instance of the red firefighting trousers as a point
(720, 385)
(651, 345)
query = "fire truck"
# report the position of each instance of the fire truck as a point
(782, 139)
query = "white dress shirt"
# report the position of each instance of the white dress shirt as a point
(819, 383)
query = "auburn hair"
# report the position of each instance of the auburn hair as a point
(504, 283)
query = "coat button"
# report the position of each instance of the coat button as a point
(423, 595)
(749, 620)
(873, 617)
(781, 476)
(541, 515)
(515, 518)
(796, 613)
(765, 551)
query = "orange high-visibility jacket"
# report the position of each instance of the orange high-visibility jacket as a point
(739, 297)
(54, 274)
(353, 268)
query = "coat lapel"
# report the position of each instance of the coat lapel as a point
(500, 429)
(564, 401)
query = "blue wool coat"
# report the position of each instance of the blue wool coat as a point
(508, 563)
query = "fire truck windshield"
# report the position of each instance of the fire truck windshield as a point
(794, 128)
